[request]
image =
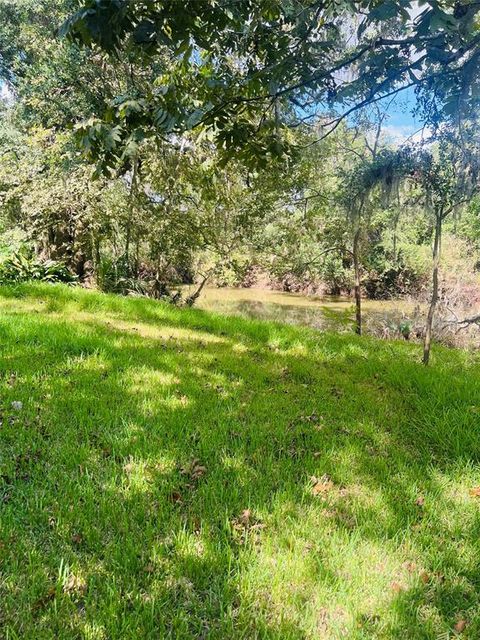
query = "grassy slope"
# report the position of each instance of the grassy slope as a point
(110, 529)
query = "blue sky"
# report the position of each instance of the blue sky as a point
(401, 123)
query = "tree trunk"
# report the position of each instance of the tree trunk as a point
(433, 302)
(395, 239)
(133, 192)
(190, 301)
(127, 244)
(137, 258)
(358, 293)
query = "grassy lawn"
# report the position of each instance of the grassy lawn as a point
(168, 473)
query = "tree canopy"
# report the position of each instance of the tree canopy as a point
(247, 69)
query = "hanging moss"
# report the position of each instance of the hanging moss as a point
(385, 172)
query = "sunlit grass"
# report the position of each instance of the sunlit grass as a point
(169, 473)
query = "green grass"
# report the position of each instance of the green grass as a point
(157, 480)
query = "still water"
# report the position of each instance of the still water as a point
(326, 312)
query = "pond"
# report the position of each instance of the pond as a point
(384, 317)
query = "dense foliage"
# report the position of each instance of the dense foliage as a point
(22, 267)
(231, 66)
(235, 143)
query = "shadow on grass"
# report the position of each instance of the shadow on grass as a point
(157, 480)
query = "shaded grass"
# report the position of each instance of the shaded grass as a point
(157, 481)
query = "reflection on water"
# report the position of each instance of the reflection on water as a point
(328, 313)
(313, 316)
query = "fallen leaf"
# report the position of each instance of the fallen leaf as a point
(75, 584)
(196, 525)
(397, 587)
(193, 469)
(321, 485)
(176, 497)
(245, 517)
(77, 538)
(460, 625)
(198, 471)
(246, 522)
(424, 577)
(420, 501)
(475, 492)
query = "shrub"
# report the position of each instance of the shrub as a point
(23, 265)
(117, 276)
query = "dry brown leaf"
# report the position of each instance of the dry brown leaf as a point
(420, 501)
(77, 538)
(475, 492)
(424, 577)
(321, 486)
(193, 469)
(397, 587)
(198, 471)
(245, 517)
(460, 625)
(246, 522)
(176, 497)
(75, 584)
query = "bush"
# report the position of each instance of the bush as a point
(117, 276)
(393, 282)
(113, 275)
(23, 266)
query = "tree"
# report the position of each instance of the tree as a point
(246, 70)
(381, 173)
(54, 83)
(218, 209)
(46, 193)
(449, 179)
